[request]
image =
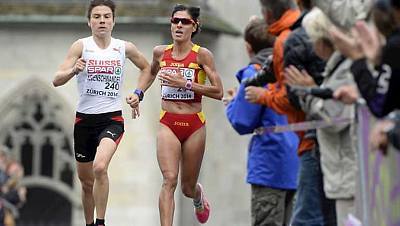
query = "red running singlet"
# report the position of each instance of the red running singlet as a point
(190, 70)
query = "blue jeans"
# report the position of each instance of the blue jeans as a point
(312, 208)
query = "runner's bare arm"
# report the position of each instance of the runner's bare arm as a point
(145, 78)
(158, 52)
(133, 99)
(215, 90)
(72, 65)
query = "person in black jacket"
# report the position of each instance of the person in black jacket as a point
(376, 69)
(298, 52)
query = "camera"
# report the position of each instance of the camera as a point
(264, 76)
(323, 93)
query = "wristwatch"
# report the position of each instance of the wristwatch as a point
(139, 93)
(188, 85)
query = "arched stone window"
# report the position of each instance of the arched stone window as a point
(36, 126)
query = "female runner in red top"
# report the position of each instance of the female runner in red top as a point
(182, 68)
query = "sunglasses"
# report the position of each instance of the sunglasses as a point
(185, 21)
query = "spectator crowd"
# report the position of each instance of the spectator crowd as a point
(313, 62)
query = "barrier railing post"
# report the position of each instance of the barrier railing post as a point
(363, 133)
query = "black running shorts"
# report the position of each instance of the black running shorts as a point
(89, 129)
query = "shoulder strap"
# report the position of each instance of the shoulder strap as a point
(195, 48)
(340, 61)
(169, 47)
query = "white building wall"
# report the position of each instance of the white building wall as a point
(135, 179)
(230, 192)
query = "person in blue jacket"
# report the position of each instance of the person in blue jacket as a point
(272, 165)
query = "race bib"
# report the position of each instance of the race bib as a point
(103, 81)
(172, 93)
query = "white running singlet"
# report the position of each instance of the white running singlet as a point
(99, 84)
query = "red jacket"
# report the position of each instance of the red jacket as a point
(276, 97)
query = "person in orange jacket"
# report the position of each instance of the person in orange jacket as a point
(280, 16)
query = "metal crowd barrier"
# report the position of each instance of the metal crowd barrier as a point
(378, 203)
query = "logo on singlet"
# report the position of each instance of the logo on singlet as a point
(117, 49)
(173, 64)
(79, 155)
(112, 134)
(118, 70)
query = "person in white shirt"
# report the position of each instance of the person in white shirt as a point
(97, 62)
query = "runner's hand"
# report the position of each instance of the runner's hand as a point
(79, 66)
(132, 100)
(135, 112)
(177, 80)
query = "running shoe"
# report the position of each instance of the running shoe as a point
(203, 212)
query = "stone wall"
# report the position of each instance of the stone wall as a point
(35, 51)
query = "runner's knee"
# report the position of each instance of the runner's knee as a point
(188, 189)
(99, 169)
(87, 184)
(170, 180)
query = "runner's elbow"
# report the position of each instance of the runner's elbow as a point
(57, 82)
(219, 95)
